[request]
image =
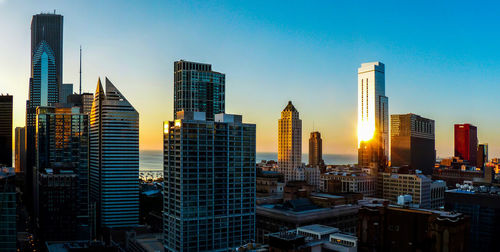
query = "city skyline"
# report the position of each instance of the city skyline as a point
(458, 75)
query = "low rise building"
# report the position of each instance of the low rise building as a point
(356, 182)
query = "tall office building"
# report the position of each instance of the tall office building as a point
(6, 130)
(66, 90)
(373, 116)
(466, 142)
(290, 143)
(482, 155)
(45, 80)
(316, 150)
(63, 144)
(20, 146)
(114, 158)
(209, 182)
(198, 88)
(413, 142)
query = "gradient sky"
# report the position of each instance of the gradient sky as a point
(442, 60)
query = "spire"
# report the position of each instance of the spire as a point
(99, 90)
(290, 107)
(80, 69)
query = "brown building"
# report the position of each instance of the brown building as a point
(413, 142)
(394, 228)
(457, 176)
(316, 151)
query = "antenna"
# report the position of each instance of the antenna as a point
(80, 69)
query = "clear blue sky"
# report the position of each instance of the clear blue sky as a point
(442, 59)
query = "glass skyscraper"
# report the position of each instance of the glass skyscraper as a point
(209, 182)
(198, 88)
(114, 159)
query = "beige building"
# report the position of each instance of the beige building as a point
(290, 144)
(425, 192)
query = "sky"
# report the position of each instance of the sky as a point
(442, 60)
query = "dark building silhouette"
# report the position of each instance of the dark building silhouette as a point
(198, 89)
(383, 227)
(66, 90)
(20, 149)
(6, 130)
(84, 101)
(44, 84)
(8, 233)
(482, 155)
(413, 142)
(316, 150)
(466, 142)
(484, 211)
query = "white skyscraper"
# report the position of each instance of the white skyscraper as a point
(290, 144)
(373, 116)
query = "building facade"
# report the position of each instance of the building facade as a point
(209, 182)
(482, 155)
(425, 193)
(413, 142)
(290, 143)
(338, 182)
(316, 150)
(198, 89)
(466, 142)
(8, 204)
(84, 101)
(373, 117)
(20, 149)
(6, 130)
(62, 140)
(114, 159)
(66, 90)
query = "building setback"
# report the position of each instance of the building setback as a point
(198, 89)
(466, 142)
(373, 117)
(413, 142)
(114, 159)
(6, 130)
(209, 188)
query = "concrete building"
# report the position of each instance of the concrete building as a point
(290, 143)
(314, 237)
(341, 182)
(272, 218)
(466, 142)
(425, 193)
(413, 142)
(383, 227)
(114, 159)
(198, 89)
(209, 182)
(373, 117)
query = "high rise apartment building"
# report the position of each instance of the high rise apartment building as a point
(373, 117)
(198, 89)
(290, 143)
(209, 182)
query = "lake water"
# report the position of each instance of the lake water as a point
(153, 159)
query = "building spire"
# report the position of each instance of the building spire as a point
(80, 69)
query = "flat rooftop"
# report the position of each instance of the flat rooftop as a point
(319, 229)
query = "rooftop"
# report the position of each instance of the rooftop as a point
(319, 229)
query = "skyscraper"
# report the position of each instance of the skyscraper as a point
(114, 158)
(413, 142)
(6, 130)
(209, 189)
(290, 143)
(198, 88)
(84, 101)
(373, 116)
(466, 142)
(316, 150)
(66, 90)
(45, 81)
(63, 144)
(20, 146)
